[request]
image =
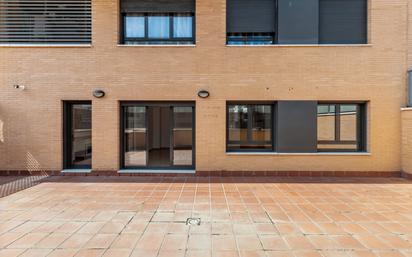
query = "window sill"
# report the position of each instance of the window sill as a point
(189, 46)
(305, 45)
(76, 171)
(45, 46)
(166, 171)
(299, 154)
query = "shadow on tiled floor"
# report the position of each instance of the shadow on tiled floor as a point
(10, 184)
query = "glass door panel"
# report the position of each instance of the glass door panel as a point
(182, 134)
(81, 136)
(135, 136)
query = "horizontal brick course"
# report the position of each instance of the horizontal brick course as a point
(218, 174)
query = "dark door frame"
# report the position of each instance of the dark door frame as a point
(147, 104)
(68, 135)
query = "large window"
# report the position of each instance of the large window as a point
(159, 28)
(251, 22)
(296, 127)
(157, 135)
(341, 127)
(249, 127)
(45, 22)
(158, 21)
(260, 22)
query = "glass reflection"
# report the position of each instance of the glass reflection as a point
(135, 136)
(182, 136)
(81, 135)
(249, 127)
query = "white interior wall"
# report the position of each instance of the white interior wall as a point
(159, 127)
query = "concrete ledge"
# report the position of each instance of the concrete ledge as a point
(304, 45)
(157, 46)
(76, 171)
(45, 45)
(157, 173)
(360, 174)
(300, 154)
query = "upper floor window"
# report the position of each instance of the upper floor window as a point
(343, 21)
(158, 22)
(45, 22)
(296, 22)
(251, 22)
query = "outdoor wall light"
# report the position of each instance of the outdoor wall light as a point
(203, 94)
(18, 87)
(98, 93)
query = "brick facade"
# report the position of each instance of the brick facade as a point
(31, 120)
(407, 142)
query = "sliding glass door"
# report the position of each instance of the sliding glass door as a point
(135, 136)
(157, 135)
(182, 135)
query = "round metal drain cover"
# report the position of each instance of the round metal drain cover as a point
(193, 221)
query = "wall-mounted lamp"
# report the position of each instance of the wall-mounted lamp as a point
(18, 87)
(98, 93)
(203, 94)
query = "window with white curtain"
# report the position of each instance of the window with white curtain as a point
(135, 27)
(159, 28)
(182, 26)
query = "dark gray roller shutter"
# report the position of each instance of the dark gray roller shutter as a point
(45, 21)
(298, 21)
(251, 16)
(157, 5)
(343, 21)
(296, 126)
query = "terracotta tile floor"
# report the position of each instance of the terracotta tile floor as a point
(240, 217)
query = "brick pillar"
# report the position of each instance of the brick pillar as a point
(105, 135)
(406, 145)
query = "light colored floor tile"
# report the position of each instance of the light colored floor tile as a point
(240, 217)
(101, 241)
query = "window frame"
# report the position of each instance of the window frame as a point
(122, 138)
(367, 28)
(46, 23)
(147, 40)
(246, 38)
(249, 141)
(361, 131)
(67, 136)
(276, 32)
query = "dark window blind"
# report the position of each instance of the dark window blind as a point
(251, 16)
(45, 21)
(342, 21)
(156, 6)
